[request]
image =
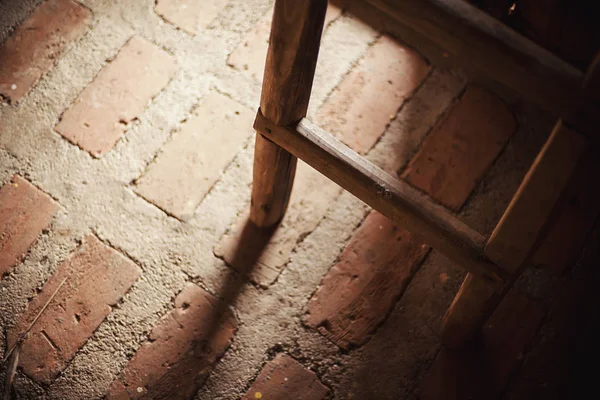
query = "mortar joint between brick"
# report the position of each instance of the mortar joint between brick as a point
(437, 121)
(216, 89)
(353, 65)
(164, 211)
(405, 103)
(303, 362)
(157, 154)
(395, 301)
(226, 168)
(196, 280)
(303, 237)
(9, 154)
(92, 12)
(496, 159)
(119, 250)
(67, 140)
(26, 176)
(334, 262)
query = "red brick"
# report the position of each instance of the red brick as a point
(568, 232)
(96, 278)
(36, 44)
(361, 107)
(190, 164)
(372, 273)
(183, 347)
(118, 95)
(189, 15)
(250, 55)
(461, 147)
(24, 212)
(482, 372)
(284, 378)
(262, 254)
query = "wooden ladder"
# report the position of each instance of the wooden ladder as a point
(494, 263)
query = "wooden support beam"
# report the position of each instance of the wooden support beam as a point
(529, 214)
(512, 242)
(517, 235)
(290, 67)
(493, 48)
(393, 198)
(467, 313)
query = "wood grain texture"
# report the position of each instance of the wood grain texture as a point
(519, 229)
(291, 59)
(272, 182)
(530, 214)
(493, 48)
(471, 307)
(517, 235)
(290, 67)
(395, 199)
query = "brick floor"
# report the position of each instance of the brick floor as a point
(284, 378)
(250, 56)
(24, 212)
(262, 255)
(95, 278)
(187, 15)
(214, 299)
(34, 47)
(482, 372)
(117, 96)
(190, 164)
(358, 292)
(181, 350)
(370, 276)
(462, 146)
(362, 106)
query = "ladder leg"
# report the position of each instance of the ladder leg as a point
(289, 71)
(529, 215)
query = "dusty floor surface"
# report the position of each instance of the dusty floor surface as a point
(100, 196)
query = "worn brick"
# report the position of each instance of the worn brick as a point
(568, 232)
(262, 254)
(359, 290)
(284, 378)
(483, 371)
(24, 212)
(361, 107)
(189, 15)
(117, 96)
(97, 277)
(250, 55)
(36, 44)
(461, 147)
(181, 350)
(191, 163)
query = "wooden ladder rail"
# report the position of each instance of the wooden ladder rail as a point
(289, 71)
(489, 46)
(392, 197)
(283, 134)
(531, 211)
